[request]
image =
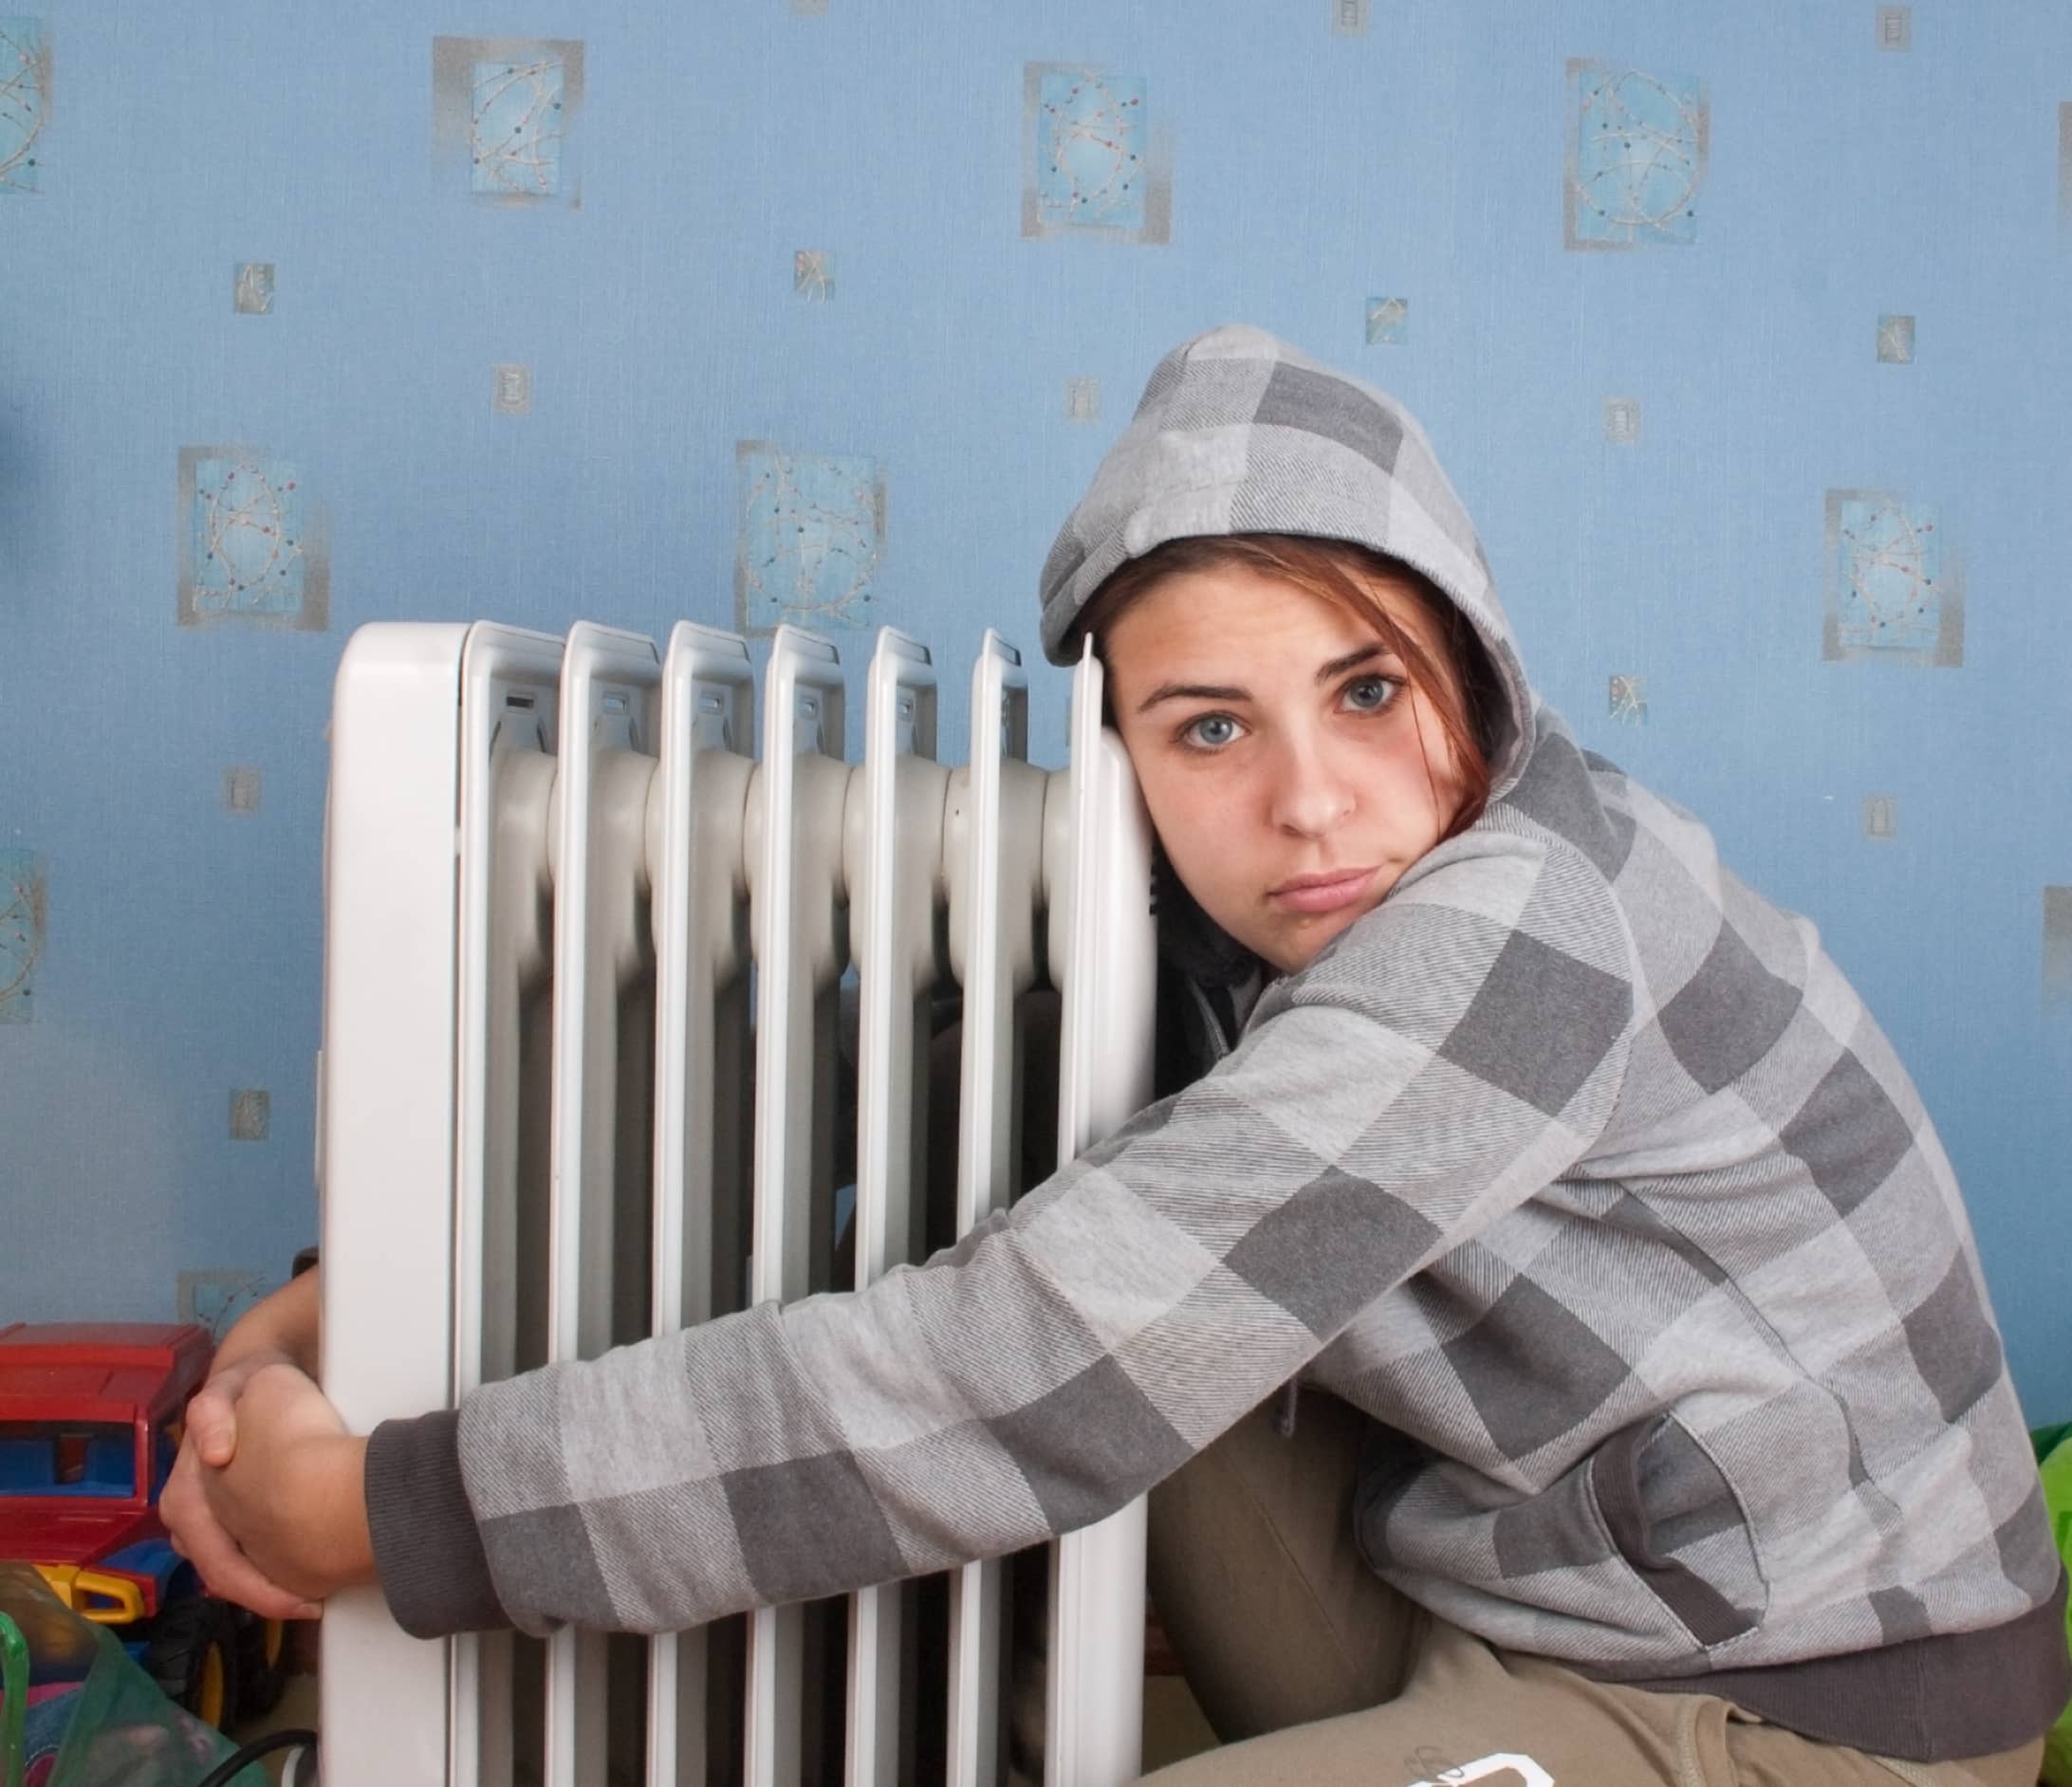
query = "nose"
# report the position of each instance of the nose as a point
(1312, 793)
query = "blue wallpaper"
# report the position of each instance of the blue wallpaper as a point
(1741, 328)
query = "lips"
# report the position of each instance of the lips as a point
(1325, 892)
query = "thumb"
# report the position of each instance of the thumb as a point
(212, 1424)
(211, 1413)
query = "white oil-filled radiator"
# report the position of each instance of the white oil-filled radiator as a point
(628, 1025)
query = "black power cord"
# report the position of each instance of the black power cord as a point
(225, 1771)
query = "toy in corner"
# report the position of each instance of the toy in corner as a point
(90, 1421)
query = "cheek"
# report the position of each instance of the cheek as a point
(1183, 812)
(1421, 771)
(1194, 819)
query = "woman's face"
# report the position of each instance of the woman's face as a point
(1281, 749)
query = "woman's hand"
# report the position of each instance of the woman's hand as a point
(279, 1330)
(282, 1329)
(199, 1537)
(211, 1413)
(293, 1497)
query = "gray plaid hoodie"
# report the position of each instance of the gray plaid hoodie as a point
(1576, 1163)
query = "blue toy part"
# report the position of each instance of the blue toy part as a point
(23, 1464)
(153, 1557)
(29, 1462)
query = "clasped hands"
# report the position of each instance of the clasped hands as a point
(267, 1498)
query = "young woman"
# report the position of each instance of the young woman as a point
(1661, 1431)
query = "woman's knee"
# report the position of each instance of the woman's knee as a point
(1273, 1614)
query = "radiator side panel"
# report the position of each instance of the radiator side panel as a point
(386, 1137)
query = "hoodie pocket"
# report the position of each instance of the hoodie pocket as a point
(1677, 1522)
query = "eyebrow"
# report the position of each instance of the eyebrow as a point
(1326, 673)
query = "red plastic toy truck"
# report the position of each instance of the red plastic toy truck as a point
(89, 1425)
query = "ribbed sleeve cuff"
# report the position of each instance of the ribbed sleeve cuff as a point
(427, 1547)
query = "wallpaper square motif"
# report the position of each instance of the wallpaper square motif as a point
(251, 290)
(24, 911)
(1388, 321)
(216, 1296)
(516, 116)
(1091, 164)
(2058, 944)
(505, 108)
(811, 534)
(1880, 818)
(510, 389)
(241, 786)
(1090, 141)
(253, 547)
(1626, 700)
(1893, 593)
(250, 1113)
(1896, 341)
(1637, 145)
(2065, 167)
(24, 100)
(813, 274)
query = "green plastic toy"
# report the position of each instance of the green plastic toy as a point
(108, 1724)
(13, 1699)
(2054, 1458)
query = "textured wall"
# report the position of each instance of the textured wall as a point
(1742, 329)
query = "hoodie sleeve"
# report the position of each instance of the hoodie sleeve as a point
(1449, 1055)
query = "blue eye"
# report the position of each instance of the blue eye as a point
(1210, 733)
(1370, 694)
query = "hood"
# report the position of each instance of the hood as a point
(54, 1531)
(1238, 433)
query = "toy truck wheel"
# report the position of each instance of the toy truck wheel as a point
(192, 1656)
(261, 1664)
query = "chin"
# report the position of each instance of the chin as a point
(1292, 954)
(1291, 958)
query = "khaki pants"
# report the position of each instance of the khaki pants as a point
(1313, 1670)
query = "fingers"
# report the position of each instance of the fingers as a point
(212, 1413)
(181, 1503)
(212, 1422)
(200, 1538)
(234, 1577)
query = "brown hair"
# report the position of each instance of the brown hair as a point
(1468, 706)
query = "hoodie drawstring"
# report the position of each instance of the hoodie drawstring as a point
(1283, 1420)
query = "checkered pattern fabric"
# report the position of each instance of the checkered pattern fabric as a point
(1576, 1163)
